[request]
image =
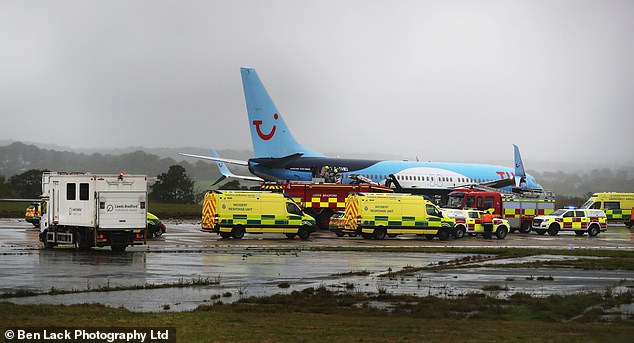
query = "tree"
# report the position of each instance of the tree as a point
(27, 184)
(173, 187)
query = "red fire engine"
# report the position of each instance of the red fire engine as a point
(518, 209)
(321, 200)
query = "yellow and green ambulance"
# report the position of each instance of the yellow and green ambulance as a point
(617, 206)
(376, 215)
(234, 213)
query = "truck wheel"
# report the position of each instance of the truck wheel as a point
(579, 233)
(540, 232)
(379, 233)
(290, 235)
(237, 232)
(593, 230)
(553, 229)
(429, 237)
(526, 227)
(82, 243)
(225, 234)
(303, 233)
(501, 232)
(443, 234)
(459, 231)
(366, 236)
(118, 248)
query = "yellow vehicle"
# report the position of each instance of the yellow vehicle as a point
(33, 214)
(617, 206)
(234, 213)
(375, 215)
(578, 220)
(470, 221)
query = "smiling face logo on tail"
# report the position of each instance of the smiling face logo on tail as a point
(262, 135)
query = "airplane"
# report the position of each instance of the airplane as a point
(280, 157)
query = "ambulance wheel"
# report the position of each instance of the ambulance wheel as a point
(628, 225)
(541, 232)
(379, 233)
(459, 231)
(443, 234)
(579, 233)
(526, 227)
(593, 230)
(429, 237)
(237, 232)
(501, 232)
(303, 233)
(225, 234)
(553, 230)
(290, 235)
(366, 236)
(118, 248)
(391, 235)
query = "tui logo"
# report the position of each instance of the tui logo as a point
(262, 135)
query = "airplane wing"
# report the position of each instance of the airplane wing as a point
(217, 159)
(498, 183)
(226, 173)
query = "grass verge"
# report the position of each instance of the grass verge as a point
(318, 315)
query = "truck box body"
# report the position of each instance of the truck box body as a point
(96, 209)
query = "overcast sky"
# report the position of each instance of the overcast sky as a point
(441, 80)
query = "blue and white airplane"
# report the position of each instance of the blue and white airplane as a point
(280, 157)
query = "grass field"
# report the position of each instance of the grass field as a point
(318, 315)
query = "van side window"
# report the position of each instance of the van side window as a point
(83, 191)
(579, 214)
(611, 205)
(569, 214)
(293, 209)
(432, 211)
(71, 188)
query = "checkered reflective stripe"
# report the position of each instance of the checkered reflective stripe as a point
(618, 214)
(209, 211)
(526, 213)
(351, 212)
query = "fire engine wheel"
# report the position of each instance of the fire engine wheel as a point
(579, 233)
(237, 232)
(379, 233)
(303, 233)
(225, 234)
(553, 230)
(118, 248)
(541, 232)
(429, 237)
(593, 230)
(459, 231)
(290, 235)
(501, 232)
(526, 227)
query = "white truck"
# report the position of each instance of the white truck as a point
(93, 210)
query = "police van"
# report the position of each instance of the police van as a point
(234, 213)
(375, 215)
(617, 206)
(578, 220)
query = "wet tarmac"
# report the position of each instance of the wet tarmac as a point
(260, 264)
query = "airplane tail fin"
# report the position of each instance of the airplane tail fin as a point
(269, 134)
(520, 173)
